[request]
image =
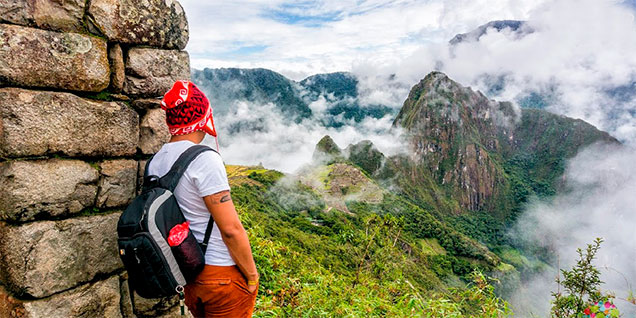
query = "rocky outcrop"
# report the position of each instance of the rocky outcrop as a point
(151, 72)
(35, 123)
(451, 130)
(50, 188)
(366, 156)
(155, 23)
(100, 299)
(59, 15)
(339, 183)
(478, 150)
(476, 175)
(43, 258)
(37, 58)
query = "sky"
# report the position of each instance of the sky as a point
(580, 54)
(301, 38)
(578, 50)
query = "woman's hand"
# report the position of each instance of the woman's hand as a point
(252, 283)
(233, 234)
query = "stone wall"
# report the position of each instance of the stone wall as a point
(79, 88)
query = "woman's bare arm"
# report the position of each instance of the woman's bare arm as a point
(222, 209)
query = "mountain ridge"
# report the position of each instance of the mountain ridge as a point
(467, 141)
(360, 220)
(336, 94)
(518, 27)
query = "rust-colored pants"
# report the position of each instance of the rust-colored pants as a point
(220, 291)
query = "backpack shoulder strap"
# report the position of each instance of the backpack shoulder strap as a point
(171, 179)
(208, 233)
(148, 181)
(147, 165)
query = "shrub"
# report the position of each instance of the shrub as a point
(581, 288)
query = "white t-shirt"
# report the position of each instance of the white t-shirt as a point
(205, 175)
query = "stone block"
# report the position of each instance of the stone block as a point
(39, 58)
(118, 183)
(152, 72)
(140, 175)
(155, 23)
(53, 187)
(34, 123)
(146, 103)
(153, 131)
(100, 299)
(166, 307)
(59, 15)
(175, 312)
(117, 68)
(40, 259)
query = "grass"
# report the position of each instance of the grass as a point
(376, 262)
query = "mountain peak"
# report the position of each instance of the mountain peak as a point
(518, 27)
(327, 150)
(366, 156)
(436, 76)
(437, 97)
(460, 136)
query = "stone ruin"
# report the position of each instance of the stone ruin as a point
(79, 114)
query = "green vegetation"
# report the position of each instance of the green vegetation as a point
(226, 85)
(440, 220)
(391, 259)
(581, 292)
(103, 96)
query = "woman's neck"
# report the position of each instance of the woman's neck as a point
(195, 137)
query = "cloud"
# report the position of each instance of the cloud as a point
(599, 202)
(580, 54)
(309, 37)
(252, 133)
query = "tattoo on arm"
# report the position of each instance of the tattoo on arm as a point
(221, 197)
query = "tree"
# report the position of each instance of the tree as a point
(581, 292)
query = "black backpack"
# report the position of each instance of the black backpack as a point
(156, 269)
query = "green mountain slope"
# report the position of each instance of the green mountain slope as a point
(382, 257)
(340, 85)
(362, 234)
(485, 155)
(225, 86)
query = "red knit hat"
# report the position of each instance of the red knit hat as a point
(187, 109)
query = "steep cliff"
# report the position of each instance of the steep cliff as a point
(478, 150)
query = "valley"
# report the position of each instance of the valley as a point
(360, 232)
